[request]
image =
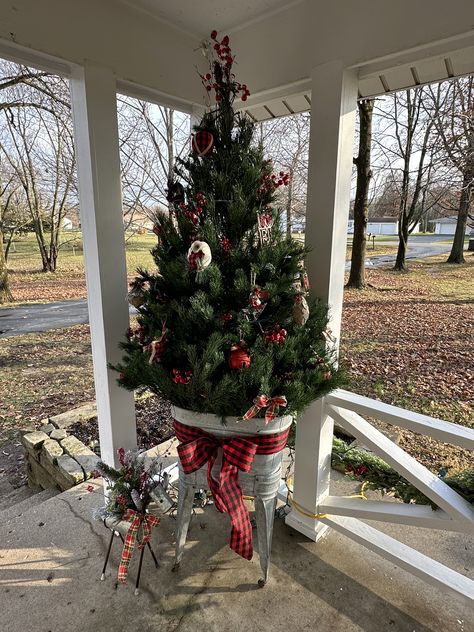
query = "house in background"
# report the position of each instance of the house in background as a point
(445, 226)
(380, 226)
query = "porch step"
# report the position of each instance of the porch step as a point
(22, 500)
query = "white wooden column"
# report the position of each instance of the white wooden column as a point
(93, 91)
(333, 108)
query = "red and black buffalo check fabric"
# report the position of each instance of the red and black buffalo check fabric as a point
(198, 447)
(146, 522)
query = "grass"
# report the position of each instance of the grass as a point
(29, 283)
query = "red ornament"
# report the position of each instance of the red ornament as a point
(181, 377)
(203, 142)
(158, 230)
(239, 357)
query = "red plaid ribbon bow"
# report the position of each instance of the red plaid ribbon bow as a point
(138, 519)
(198, 447)
(262, 401)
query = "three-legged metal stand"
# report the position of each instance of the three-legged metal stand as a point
(115, 533)
(262, 483)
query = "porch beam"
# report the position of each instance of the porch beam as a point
(94, 107)
(334, 103)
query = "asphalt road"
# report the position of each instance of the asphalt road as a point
(31, 318)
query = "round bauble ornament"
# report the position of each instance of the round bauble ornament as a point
(239, 357)
(300, 310)
(203, 142)
(199, 255)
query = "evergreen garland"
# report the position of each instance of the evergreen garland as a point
(379, 476)
(194, 316)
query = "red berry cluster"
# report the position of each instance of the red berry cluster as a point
(193, 211)
(222, 49)
(276, 335)
(226, 245)
(181, 377)
(194, 258)
(226, 318)
(200, 200)
(214, 80)
(189, 213)
(271, 183)
(359, 470)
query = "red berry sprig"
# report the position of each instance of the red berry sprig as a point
(226, 245)
(220, 79)
(181, 377)
(277, 335)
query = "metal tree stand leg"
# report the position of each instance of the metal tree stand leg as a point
(109, 548)
(139, 570)
(183, 517)
(155, 559)
(102, 577)
(265, 513)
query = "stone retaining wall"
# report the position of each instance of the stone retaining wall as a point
(55, 458)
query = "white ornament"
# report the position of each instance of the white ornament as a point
(199, 255)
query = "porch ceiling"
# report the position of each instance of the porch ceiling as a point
(151, 44)
(372, 82)
(198, 18)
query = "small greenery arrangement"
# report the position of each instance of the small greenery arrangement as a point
(377, 475)
(130, 486)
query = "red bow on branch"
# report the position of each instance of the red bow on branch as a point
(146, 522)
(271, 404)
(198, 447)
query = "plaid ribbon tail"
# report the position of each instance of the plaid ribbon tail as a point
(131, 539)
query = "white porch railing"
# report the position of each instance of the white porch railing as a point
(344, 514)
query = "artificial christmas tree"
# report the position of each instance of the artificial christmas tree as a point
(224, 327)
(227, 301)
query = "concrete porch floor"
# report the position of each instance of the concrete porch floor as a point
(51, 558)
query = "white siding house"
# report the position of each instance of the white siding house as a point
(445, 226)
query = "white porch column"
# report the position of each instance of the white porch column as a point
(93, 92)
(333, 108)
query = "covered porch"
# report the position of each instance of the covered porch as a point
(294, 56)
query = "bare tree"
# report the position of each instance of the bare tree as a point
(7, 191)
(454, 120)
(151, 137)
(37, 144)
(286, 141)
(409, 144)
(364, 175)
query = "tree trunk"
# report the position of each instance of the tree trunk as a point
(364, 174)
(457, 250)
(5, 294)
(400, 262)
